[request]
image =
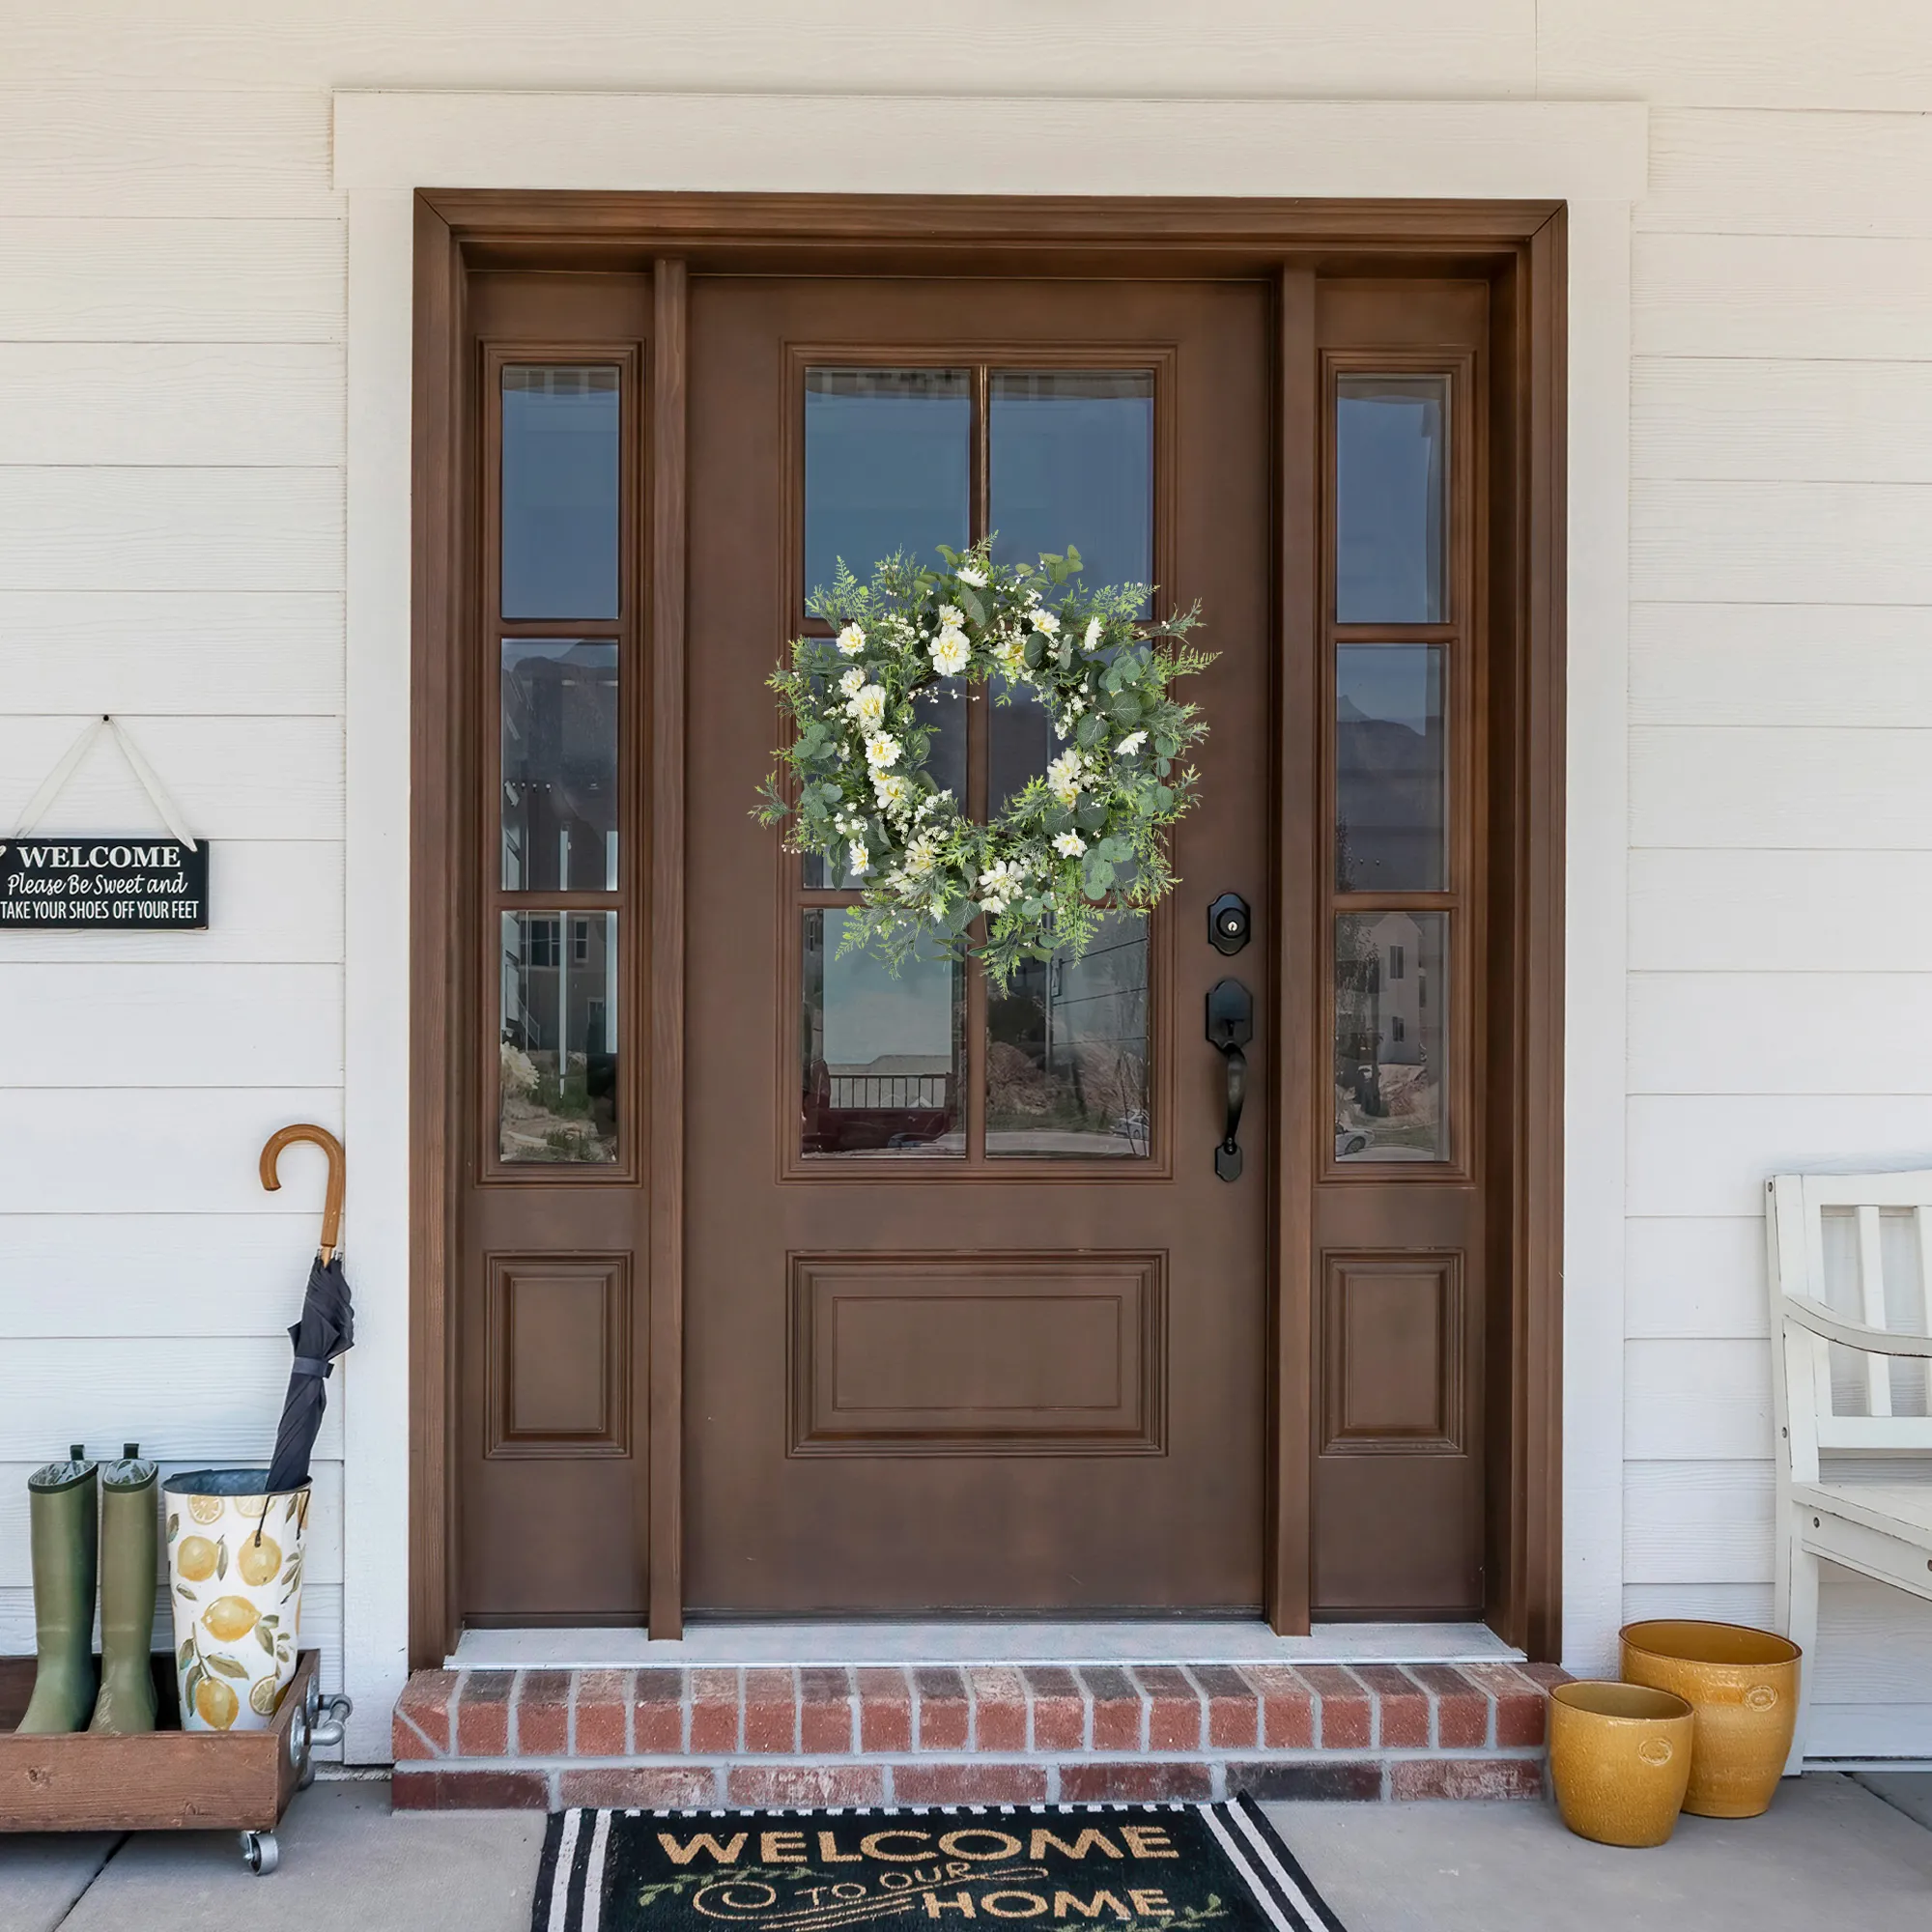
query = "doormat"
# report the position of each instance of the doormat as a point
(1095, 1867)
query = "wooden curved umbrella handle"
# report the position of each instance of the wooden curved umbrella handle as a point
(332, 1205)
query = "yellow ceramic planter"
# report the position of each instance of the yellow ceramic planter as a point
(1619, 1757)
(1742, 1686)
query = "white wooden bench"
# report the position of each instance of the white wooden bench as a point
(1851, 1301)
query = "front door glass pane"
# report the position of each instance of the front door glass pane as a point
(1389, 769)
(1073, 462)
(1390, 479)
(560, 492)
(1066, 1051)
(559, 765)
(888, 467)
(1391, 1013)
(881, 1053)
(557, 1060)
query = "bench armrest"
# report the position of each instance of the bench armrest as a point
(1805, 1313)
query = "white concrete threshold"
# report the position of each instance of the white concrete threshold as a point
(1165, 1641)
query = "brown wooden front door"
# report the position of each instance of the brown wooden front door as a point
(970, 1323)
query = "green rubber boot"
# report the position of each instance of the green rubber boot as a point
(61, 1498)
(129, 1546)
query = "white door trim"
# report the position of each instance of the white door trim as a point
(1592, 155)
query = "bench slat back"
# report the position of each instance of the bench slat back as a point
(1862, 1244)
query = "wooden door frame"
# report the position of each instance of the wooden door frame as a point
(1519, 247)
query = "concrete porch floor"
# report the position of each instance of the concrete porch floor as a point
(1834, 1852)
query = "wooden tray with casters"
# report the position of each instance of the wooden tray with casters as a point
(167, 1780)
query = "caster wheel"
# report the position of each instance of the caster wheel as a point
(260, 1853)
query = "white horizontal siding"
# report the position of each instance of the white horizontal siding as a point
(1759, 419)
(150, 528)
(1781, 663)
(262, 153)
(187, 1023)
(150, 1150)
(1485, 48)
(1693, 1278)
(190, 653)
(1685, 1401)
(1787, 53)
(202, 1400)
(1702, 911)
(1781, 296)
(1735, 173)
(256, 405)
(1698, 1523)
(117, 280)
(1711, 1154)
(81, 1274)
(1780, 1032)
(1697, 786)
(257, 779)
(1781, 543)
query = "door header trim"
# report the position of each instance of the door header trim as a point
(974, 145)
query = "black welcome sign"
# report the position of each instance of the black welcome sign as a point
(109, 884)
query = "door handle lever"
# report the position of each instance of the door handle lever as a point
(1230, 1026)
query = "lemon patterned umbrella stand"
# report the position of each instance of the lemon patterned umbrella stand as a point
(235, 1568)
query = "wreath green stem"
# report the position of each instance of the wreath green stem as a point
(1082, 838)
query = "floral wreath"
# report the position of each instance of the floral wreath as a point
(1082, 840)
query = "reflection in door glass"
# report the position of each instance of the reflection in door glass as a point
(1073, 462)
(881, 1054)
(560, 492)
(559, 739)
(1389, 768)
(888, 467)
(1389, 483)
(1391, 1008)
(559, 1052)
(1066, 1051)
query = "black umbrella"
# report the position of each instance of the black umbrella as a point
(326, 1328)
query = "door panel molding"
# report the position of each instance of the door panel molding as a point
(1519, 247)
(898, 1351)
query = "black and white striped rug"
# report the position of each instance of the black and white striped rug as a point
(1076, 1867)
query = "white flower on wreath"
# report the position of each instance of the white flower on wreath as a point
(951, 616)
(851, 641)
(971, 573)
(1063, 777)
(882, 751)
(868, 704)
(922, 855)
(1000, 884)
(892, 791)
(951, 652)
(851, 681)
(1131, 744)
(859, 861)
(1092, 643)
(1045, 622)
(1069, 844)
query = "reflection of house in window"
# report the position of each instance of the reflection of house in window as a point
(1388, 1047)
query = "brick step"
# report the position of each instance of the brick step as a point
(939, 1734)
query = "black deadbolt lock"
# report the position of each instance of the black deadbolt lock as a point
(1229, 923)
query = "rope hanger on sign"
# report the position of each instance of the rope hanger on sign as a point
(56, 779)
